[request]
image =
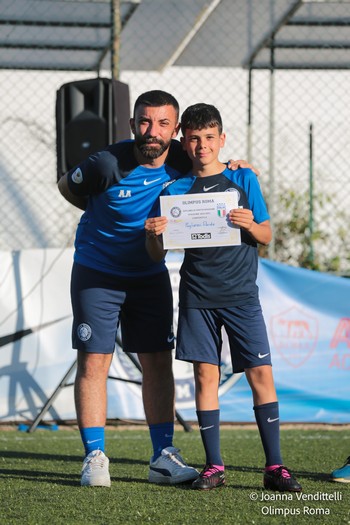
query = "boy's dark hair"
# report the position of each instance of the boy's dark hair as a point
(201, 116)
(157, 98)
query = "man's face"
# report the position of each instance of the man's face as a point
(154, 127)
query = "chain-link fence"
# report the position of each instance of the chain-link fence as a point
(277, 70)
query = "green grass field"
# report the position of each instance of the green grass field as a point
(40, 475)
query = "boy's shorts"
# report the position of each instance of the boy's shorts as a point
(199, 336)
(143, 306)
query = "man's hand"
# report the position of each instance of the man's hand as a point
(236, 164)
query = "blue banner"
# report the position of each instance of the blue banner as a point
(307, 316)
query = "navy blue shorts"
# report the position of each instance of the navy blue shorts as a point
(199, 336)
(143, 306)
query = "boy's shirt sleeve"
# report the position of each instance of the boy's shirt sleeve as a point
(180, 186)
(257, 204)
(170, 189)
(155, 211)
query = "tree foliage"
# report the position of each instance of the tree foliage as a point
(299, 242)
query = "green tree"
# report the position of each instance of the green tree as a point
(297, 245)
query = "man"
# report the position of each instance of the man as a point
(114, 280)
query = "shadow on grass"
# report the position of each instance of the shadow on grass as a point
(313, 476)
(36, 456)
(73, 479)
(38, 476)
(302, 474)
(60, 478)
(227, 485)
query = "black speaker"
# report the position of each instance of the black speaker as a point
(90, 115)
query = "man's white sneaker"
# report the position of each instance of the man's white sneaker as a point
(95, 471)
(170, 468)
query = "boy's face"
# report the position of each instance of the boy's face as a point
(203, 145)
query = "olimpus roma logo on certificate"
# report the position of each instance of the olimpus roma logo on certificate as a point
(199, 220)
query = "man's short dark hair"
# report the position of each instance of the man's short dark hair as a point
(157, 98)
(201, 116)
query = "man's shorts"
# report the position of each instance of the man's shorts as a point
(143, 306)
(199, 336)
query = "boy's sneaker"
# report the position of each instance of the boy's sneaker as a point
(170, 468)
(95, 470)
(281, 479)
(210, 478)
(342, 475)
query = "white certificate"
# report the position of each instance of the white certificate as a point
(199, 220)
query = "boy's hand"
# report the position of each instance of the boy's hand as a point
(155, 226)
(242, 217)
(236, 164)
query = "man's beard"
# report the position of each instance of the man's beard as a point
(149, 151)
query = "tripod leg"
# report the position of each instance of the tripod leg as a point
(50, 401)
(186, 426)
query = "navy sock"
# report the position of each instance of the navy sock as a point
(267, 418)
(162, 437)
(93, 439)
(209, 426)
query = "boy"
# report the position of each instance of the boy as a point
(218, 289)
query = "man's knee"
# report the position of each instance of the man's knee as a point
(156, 364)
(93, 365)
